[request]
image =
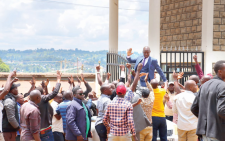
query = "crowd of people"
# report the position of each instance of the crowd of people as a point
(133, 110)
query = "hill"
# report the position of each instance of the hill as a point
(48, 60)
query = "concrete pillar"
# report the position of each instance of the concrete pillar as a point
(113, 26)
(154, 28)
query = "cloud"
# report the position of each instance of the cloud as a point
(31, 24)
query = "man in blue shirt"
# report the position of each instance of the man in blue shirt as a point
(61, 109)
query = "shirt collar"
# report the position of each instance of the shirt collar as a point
(78, 100)
(104, 95)
(32, 103)
(18, 104)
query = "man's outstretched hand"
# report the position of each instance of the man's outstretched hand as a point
(139, 67)
(129, 52)
(128, 65)
(122, 67)
(98, 68)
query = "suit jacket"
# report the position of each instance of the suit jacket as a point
(209, 107)
(153, 65)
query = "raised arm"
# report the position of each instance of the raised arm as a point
(32, 82)
(8, 84)
(176, 85)
(136, 78)
(122, 75)
(50, 96)
(129, 53)
(88, 87)
(71, 82)
(107, 78)
(127, 84)
(197, 67)
(99, 76)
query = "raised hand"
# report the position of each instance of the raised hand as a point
(60, 91)
(108, 75)
(47, 82)
(98, 68)
(82, 77)
(195, 57)
(59, 75)
(33, 81)
(166, 96)
(180, 75)
(128, 65)
(12, 74)
(129, 52)
(122, 67)
(139, 67)
(175, 76)
(70, 79)
(133, 73)
(15, 80)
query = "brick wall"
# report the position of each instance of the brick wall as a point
(219, 26)
(181, 23)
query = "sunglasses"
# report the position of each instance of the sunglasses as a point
(81, 93)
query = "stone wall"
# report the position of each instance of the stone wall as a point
(181, 23)
(219, 26)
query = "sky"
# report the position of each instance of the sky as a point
(65, 24)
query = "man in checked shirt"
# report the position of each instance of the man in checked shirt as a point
(119, 115)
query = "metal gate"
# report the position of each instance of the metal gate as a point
(180, 61)
(114, 60)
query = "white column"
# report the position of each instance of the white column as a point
(207, 36)
(113, 26)
(154, 28)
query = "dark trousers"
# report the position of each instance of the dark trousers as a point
(58, 136)
(159, 124)
(170, 118)
(18, 138)
(102, 132)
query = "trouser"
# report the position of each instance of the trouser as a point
(102, 132)
(159, 123)
(170, 118)
(47, 136)
(126, 137)
(58, 136)
(1, 137)
(9, 136)
(18, 138)
(208, 139)
(146, 134)
(187, 135)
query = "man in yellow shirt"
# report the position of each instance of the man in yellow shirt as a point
(158, 115)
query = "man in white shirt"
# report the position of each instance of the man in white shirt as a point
(57, 123)
(187, 121)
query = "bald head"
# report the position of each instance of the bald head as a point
(205, 78)
(190, 85)
(154, 83)
(35, 96)
(146, 51)
(68, 95)
(115, 83)
(195, 78)
(106, 89)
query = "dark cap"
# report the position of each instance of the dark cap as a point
(120, 90)
(14, 86)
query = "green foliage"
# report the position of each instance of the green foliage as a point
(3, 66)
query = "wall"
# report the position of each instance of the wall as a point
(219, 26)
(181, 23)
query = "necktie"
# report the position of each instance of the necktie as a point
(143, 62)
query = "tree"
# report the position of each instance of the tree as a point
(3, 66)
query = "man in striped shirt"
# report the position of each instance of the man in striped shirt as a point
(120, 116)
(61, 109)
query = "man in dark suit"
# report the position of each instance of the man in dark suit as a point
(209, 106)
(149, 65)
